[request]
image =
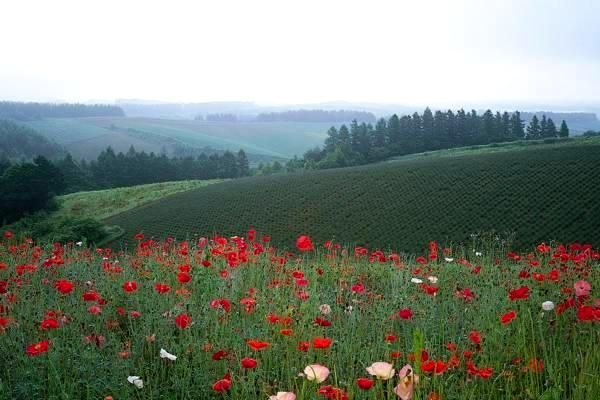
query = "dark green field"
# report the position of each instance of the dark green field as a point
(539, 194)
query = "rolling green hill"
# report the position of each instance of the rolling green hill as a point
(539, 193)
(86, 137)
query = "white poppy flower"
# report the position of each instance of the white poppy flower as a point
(166, 354)
(432, 279)
(316, 372)
(547, 306)
(325, 309)
(136, 381)
(449, 259)
(416, 280)
(283, 396)
(381, 370)
(478, 253)
(79, 243)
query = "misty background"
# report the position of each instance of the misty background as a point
(499, 54)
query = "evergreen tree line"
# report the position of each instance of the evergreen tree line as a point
(33, 111)
(112, 169)
(27, 187)
(363, 143)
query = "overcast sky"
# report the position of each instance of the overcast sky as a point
(279, 51)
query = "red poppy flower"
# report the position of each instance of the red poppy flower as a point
(64, 286)
(303, 346)
(303, 243)
(38, 348)
(91, 295)
(162, 288)
(421, 260)
(405, 313)
(390, 338)
(466, 294)
(333, 393)
(365, 383)
(434, 367)
(49, 323)
(94, 309)
(222, 385)
(183, 277)
(508, 317)
(219, 355)
(358, 288)
(221, 303)
(475, 337)
(521, 293)
(249, 303)
(130, 286)
(183, 321)
(249, 363)
(321, 342)
(322, 322)
(535, 365)
(257, 345)
(429, 289)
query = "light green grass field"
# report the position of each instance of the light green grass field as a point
(102, 204)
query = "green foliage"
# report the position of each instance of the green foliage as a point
(28, 187)
(61, 229)
(402, 204)
(20, 142)
(361, 143)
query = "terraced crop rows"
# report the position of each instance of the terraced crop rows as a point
(542, 194)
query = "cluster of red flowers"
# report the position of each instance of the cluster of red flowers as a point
(552, 280)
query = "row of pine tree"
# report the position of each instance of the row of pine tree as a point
(364, 143)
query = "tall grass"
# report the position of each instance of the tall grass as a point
(365, 290)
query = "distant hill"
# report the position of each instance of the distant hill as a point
(334, 116)
(18, 142)
(541, 192)
(262, 141)
(33, 111)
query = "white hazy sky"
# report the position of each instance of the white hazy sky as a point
(279, 51)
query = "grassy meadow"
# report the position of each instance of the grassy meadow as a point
(238, 319)
(102, 204)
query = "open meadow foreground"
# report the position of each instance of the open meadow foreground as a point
(235, 318)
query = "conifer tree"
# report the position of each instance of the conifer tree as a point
(564, 129)
(533, 129)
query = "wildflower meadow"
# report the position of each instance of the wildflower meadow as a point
(237, 318)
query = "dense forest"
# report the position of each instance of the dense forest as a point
(363, 143)
(112, 169)
(20, 142)
(28, 187)
(33, 111)
(316, 116)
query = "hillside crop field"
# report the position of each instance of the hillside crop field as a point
(539, 193)
(238, 319)
(86, 137)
